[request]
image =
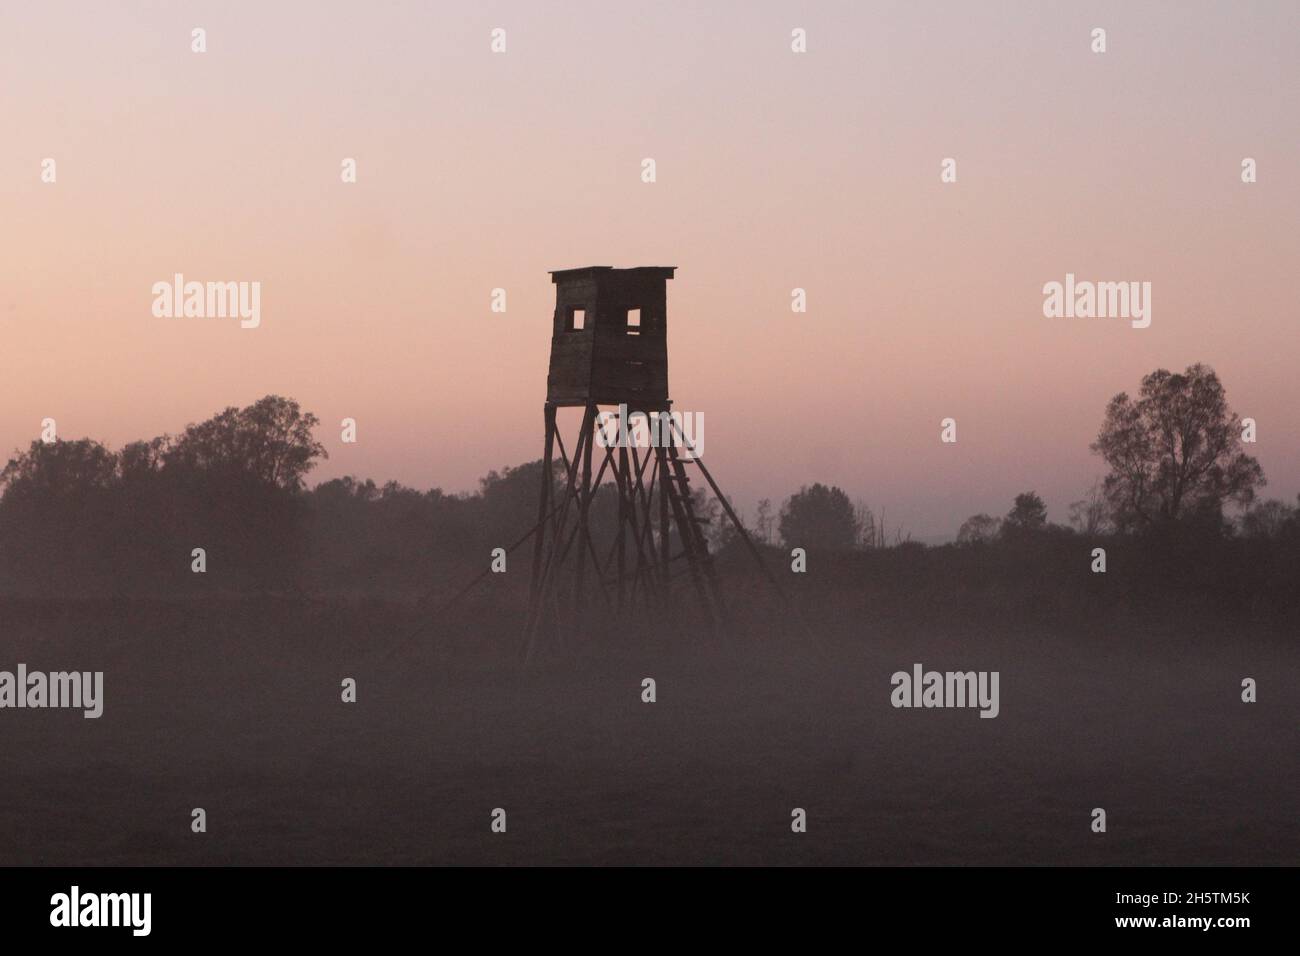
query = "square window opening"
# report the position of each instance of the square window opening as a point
(577, 320)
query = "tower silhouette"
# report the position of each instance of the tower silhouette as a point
(609, 349)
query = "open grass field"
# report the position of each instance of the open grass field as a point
(234, 706)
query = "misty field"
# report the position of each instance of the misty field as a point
(233, 705)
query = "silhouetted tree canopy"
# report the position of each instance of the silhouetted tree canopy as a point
(979, 529)
(1174, 452)
(75, 514)
(1028, 513)
(78, 519)
(819, 517)
(59, 470)
(270, 440)
(1271, 519)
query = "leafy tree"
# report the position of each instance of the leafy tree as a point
(141, 460)
(722, 533)
(819, 517)
(1270, 519)
(509, 499)
(1174, 452)
(979, 529)
(57, 516)
(1028, 513)
(270, 441)
(58, 470)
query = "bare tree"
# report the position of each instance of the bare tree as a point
(866, 520)
(1090, 515)
(764, 523)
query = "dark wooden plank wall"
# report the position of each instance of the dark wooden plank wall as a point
(603, 363)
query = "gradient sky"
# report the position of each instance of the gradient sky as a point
(775, 170)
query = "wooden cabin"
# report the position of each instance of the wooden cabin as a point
(609, 340)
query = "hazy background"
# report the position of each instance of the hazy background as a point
(775, 170)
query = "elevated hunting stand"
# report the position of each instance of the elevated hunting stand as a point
(609, 347)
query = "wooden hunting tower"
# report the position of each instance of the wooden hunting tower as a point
(609, 347)
(609, 339)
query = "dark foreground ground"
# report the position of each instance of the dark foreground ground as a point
(234, 707)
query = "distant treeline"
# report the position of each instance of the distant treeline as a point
(80, 520)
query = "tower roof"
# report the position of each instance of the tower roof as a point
(639, 272)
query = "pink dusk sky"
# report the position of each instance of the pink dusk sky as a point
(775, 170)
